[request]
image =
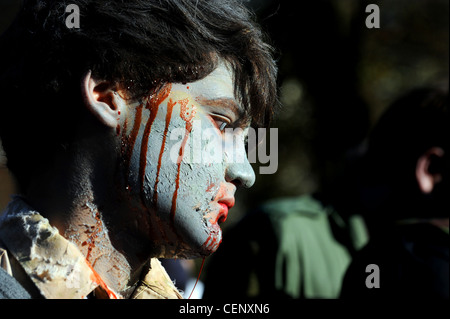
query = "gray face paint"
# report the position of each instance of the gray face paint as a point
(184, 200)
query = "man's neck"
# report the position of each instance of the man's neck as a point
(65, 196)
(87, 230)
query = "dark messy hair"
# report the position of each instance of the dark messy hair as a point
(413, 124)
(137, 44)
(416, 122)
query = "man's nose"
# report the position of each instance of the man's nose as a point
(240, 174)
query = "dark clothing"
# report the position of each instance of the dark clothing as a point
(413, 262)
(10, 287)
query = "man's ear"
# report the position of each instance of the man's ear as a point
(102, 100)
(427, 175)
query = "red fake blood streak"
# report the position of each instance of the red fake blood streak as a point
(187, 114)
(152, 105)
(95, 277)
(211, 243)
(198, 277)
(170, 106)
(91, 240)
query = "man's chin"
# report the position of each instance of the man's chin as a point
(196, 247)
(209, 245)
(213, 241)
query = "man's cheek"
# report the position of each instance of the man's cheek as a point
(199, 184)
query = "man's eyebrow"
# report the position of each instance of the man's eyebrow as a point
(228, 103)
(242, 116)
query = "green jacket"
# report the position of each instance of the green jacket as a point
(293, 247)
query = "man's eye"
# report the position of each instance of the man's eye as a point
(221, 122)
(222, 125)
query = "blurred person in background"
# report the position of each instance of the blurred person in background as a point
(406, 192)
(298, 247)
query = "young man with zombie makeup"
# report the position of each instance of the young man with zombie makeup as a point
(86, 122)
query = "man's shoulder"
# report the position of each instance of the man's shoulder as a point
(299, 206)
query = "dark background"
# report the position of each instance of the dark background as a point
(336, 77)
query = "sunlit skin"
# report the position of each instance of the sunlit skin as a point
(183, 203)
(117, 195)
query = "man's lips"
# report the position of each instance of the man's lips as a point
(223, 213)
(225, 204)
